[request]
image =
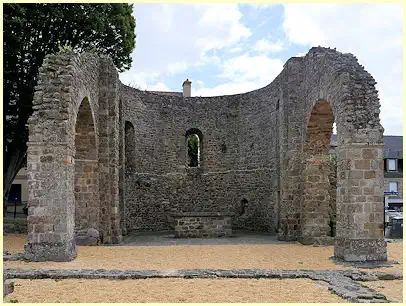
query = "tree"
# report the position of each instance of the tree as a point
(31, 31)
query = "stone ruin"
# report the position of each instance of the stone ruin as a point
(106, 159)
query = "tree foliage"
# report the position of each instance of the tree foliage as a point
(32, 31)
(193, 144)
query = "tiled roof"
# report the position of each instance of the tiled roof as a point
(393, 146)
(167, 93)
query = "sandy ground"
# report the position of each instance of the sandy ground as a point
(391, 289)
(267, 256)
(173, 290)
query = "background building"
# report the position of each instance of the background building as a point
(393, 168)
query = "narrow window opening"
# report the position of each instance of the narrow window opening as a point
(193, 145)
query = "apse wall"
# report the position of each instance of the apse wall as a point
(239, 158)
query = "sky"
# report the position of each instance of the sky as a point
(234, 48)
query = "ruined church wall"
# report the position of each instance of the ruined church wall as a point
(252, 149)
(239, 158)
(324, 74)
(64, 80)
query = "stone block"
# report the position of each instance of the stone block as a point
(360, 249)
(8, 286)
(88, 237)
(61, 251)
(369, 174)
(362, 164)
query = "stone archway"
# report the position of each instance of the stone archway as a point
(315, 214)
(270, 134)
(86, 178)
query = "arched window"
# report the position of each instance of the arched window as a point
(194, 147)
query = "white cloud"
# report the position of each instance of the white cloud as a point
(171, 38)
(235, 50)
(200, 83)
(137, 80)
(249, 68)
(266, 46)
(228, 88)
(220, 26)
(177, 67)
(300, 54)
(243, 73)
(261, 5)
(158, 87)
(372, 32)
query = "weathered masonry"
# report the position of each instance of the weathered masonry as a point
(105, 159)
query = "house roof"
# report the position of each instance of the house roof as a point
(167, 93)
(393, 145)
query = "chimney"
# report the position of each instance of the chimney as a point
(187, 88)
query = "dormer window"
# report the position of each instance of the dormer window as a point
(391, 164)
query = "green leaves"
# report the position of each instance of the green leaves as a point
(193, 144)
(33, 30)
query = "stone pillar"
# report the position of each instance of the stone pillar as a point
(109, 152)
(289, 222)
(114, 140)
(50, 168)
(360, 205)
(121, 180)
(51, 204)
(290, 150)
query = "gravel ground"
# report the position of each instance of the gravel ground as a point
(245, 256)
(392, 289)
(173, 291)
(265, 256)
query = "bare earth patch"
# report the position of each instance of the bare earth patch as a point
(173, 291)
(392, 289)
(265, 256)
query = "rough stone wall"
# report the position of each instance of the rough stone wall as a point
(202, 225)
(327, 75)
(86, 170)
(332, 178)
(254, 147)
(238, 158)
(109, 101)
(58, 136)
(315, 205)
(255, 162)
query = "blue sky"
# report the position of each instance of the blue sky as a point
(235, 48)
